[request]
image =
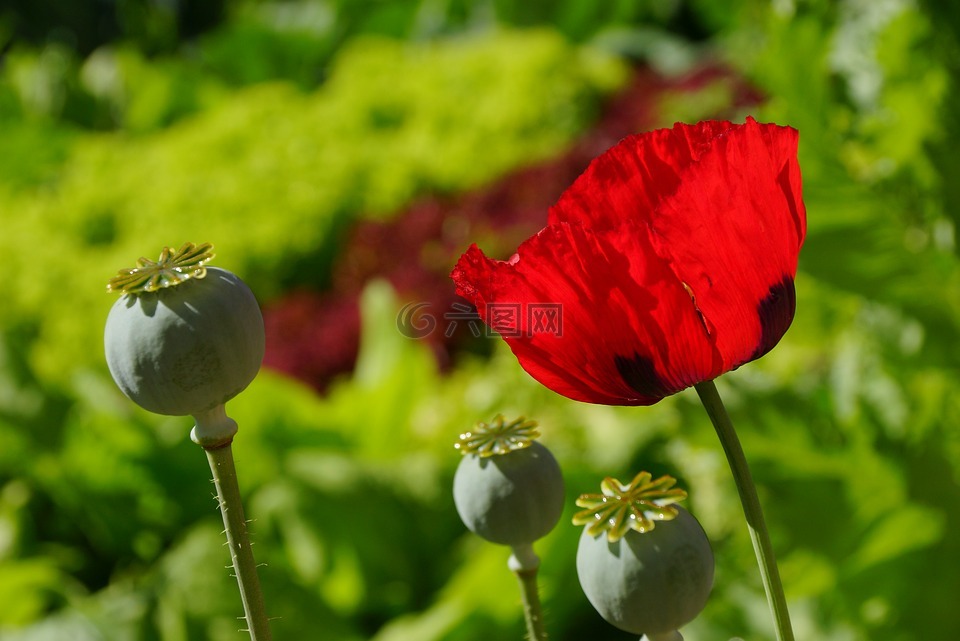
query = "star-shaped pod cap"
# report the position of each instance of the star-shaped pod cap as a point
(636, 505)
(497, 437)
(172, 268)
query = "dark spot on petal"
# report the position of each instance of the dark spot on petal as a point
(776, 312)
(639, 373)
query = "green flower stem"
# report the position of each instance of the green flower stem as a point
(238, 540)
(751, 508)
(524, 562)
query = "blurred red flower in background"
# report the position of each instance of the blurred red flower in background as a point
(671, 260)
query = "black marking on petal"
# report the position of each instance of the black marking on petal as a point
(639, 373)
(776, 312)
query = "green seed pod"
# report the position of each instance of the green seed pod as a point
(642, 577)
(184, 339)
(508, 488)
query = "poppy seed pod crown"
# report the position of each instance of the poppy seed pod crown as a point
(649, 583)
(508, 489)
(184, 339)
(644, 563)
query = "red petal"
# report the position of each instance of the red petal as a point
(723, 206)
(733, 232)
(630, 333)
(631, 179)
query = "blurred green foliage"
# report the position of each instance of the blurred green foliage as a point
(108, 529)
(275, 176)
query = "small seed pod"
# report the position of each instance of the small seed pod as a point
(641, 576)
(184, 338)
(508, 488)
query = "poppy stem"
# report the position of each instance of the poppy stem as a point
(220, 458)
(751, 507)
(524, 562)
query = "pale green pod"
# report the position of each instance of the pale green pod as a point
(511, 499)
(652, 582)
(187, 348)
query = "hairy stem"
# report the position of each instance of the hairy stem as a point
(751, 508)
(238, 540)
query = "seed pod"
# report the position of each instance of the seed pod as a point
(650, 583)
(645, 565)
(184, 339)
(508, 488)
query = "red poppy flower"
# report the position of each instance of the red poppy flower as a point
(670, 261)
